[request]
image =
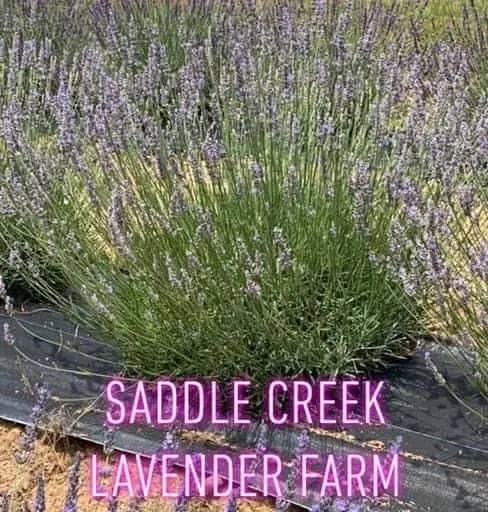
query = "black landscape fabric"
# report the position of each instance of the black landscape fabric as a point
(444, 448)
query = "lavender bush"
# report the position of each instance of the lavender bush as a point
(35, 54)
(263, 191)
(439, 236)
(258, 240)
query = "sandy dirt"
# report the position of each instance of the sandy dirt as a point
(54, 458)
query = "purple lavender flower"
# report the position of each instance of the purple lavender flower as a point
(291, 185)
(11, 128)
(108, 449)
(231, 504)
(257, 176)
(4, 502)
(260, 450)
(282, 505)
(182, 501)
(396, 445)
(285, 23)
(65, 116)
(134, 504)
(178, 203)
(106, 471)
(341, 505)
(284, 260)
(29, 54)
(319, 6)
(193, 261)
(3, 289)
(13, 66)
(479, 260)
(289, 83)
(326, 504)
(282, 502)
(156, 64)
(116, 224)
(261, 445)
(295, 128)
(8, 337)
(29, 436)
(40, 499)
(73, 485)
(462, 288)
(170, 442)
(113, 504)
(173, 277)
(366, 43)
(355, 507)
(302, 445)
(340, 45)
(213, 150)
(252, 288)
(324, 129)
(205, 228)
(191, 82)
(362, 191)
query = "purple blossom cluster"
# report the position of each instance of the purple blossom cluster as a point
(29, 437)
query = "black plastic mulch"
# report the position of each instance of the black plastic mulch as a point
(444, 449)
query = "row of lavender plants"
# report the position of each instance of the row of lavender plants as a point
(289, 190)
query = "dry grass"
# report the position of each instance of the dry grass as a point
(54, 457)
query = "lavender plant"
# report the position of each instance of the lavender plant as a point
(29, 436)
(283, 502)
(67, 23)
(40, 499)
(231, 504)
(300, 228)
(71, 503)
(257, 239)
(438, 240)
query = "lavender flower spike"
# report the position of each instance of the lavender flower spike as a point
(326, 504)
(231, 505)
(40, 500)
(134, 505)
(112, 504)
(4, 502)
(5, 298)
(3, 289)
(396, 445)
(28, 438)
(8, 337)
(73, 485)
(170, 441)
(182, 501)
(282, 502)
(439, 378)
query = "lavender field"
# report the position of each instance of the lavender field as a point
(221, 188)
